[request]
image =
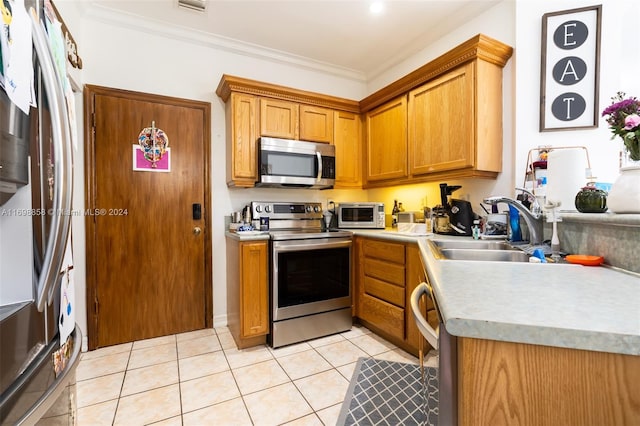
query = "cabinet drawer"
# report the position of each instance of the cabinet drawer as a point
(385, 291)
(384, 271)
(392, 252)
(383, 315)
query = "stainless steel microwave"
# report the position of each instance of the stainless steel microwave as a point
(288, 163)
(360, 215)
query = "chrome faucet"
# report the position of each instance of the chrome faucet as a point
(532, 217)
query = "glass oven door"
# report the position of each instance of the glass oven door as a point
(310, 276)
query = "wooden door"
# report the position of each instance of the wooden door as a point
(387, 141)
(442, 123)
(347, 140)
(148, 256)
(316, 124)
(278, 119)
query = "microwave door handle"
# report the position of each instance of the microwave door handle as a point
(60, 219)
(319, 157)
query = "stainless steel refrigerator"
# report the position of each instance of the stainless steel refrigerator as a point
(37, 366)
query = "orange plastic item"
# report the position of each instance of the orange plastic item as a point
(582, 259)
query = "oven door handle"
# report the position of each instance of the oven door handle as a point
(304, 245)
(425, 328)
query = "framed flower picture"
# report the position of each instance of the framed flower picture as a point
(569, 73)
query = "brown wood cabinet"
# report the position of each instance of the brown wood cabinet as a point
(454, 119)
(441, 131)
(242, 139)
(279, 119)
(248, 291)
(316, 124)
(387, 272)
(347, 138)
(505, 383)
(455, 122)
(386, 147)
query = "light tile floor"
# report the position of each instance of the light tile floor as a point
(201, 378)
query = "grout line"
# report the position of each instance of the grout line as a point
(362, 332)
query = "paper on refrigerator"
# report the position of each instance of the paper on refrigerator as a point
(16, 50)
(67, 319)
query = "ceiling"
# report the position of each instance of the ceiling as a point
(339, 33)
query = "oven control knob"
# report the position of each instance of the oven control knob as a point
(267, 209)
(317, 209)
(258, 208)
(308, 209)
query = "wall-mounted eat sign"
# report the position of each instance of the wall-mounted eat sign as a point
(570, 67)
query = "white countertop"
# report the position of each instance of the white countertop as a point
(572, 306)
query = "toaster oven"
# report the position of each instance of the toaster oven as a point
(360, 215)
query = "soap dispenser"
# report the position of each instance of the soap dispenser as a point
(515, 233)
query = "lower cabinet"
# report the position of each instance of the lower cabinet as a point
(506, 383)
(386, 272)
(248, 291)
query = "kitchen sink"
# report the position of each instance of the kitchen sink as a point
(497, 251)
(486, 255)
(473, 244)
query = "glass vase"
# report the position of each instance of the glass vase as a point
(626, 161)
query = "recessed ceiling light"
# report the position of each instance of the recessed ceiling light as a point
(376, 7)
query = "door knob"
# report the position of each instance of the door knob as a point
(197, 230)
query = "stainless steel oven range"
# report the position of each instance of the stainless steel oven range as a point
(310, 273)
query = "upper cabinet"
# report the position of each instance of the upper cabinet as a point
(453, 122)
(387, 141)
(242, 135)
(255, 109)
(278, 119)
(441, 135)
(316, 124)
(347, 138)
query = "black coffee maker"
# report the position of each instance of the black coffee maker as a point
(452, 216)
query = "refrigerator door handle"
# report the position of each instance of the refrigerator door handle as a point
(61, 214)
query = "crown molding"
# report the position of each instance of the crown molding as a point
(479, 47)
(126, 20)
(229, 83)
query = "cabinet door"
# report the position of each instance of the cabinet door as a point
(278, 119)
(387, 141)
(316, 124)
(242, 144)
(254, 289)
(442, 123)
(346, 138)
